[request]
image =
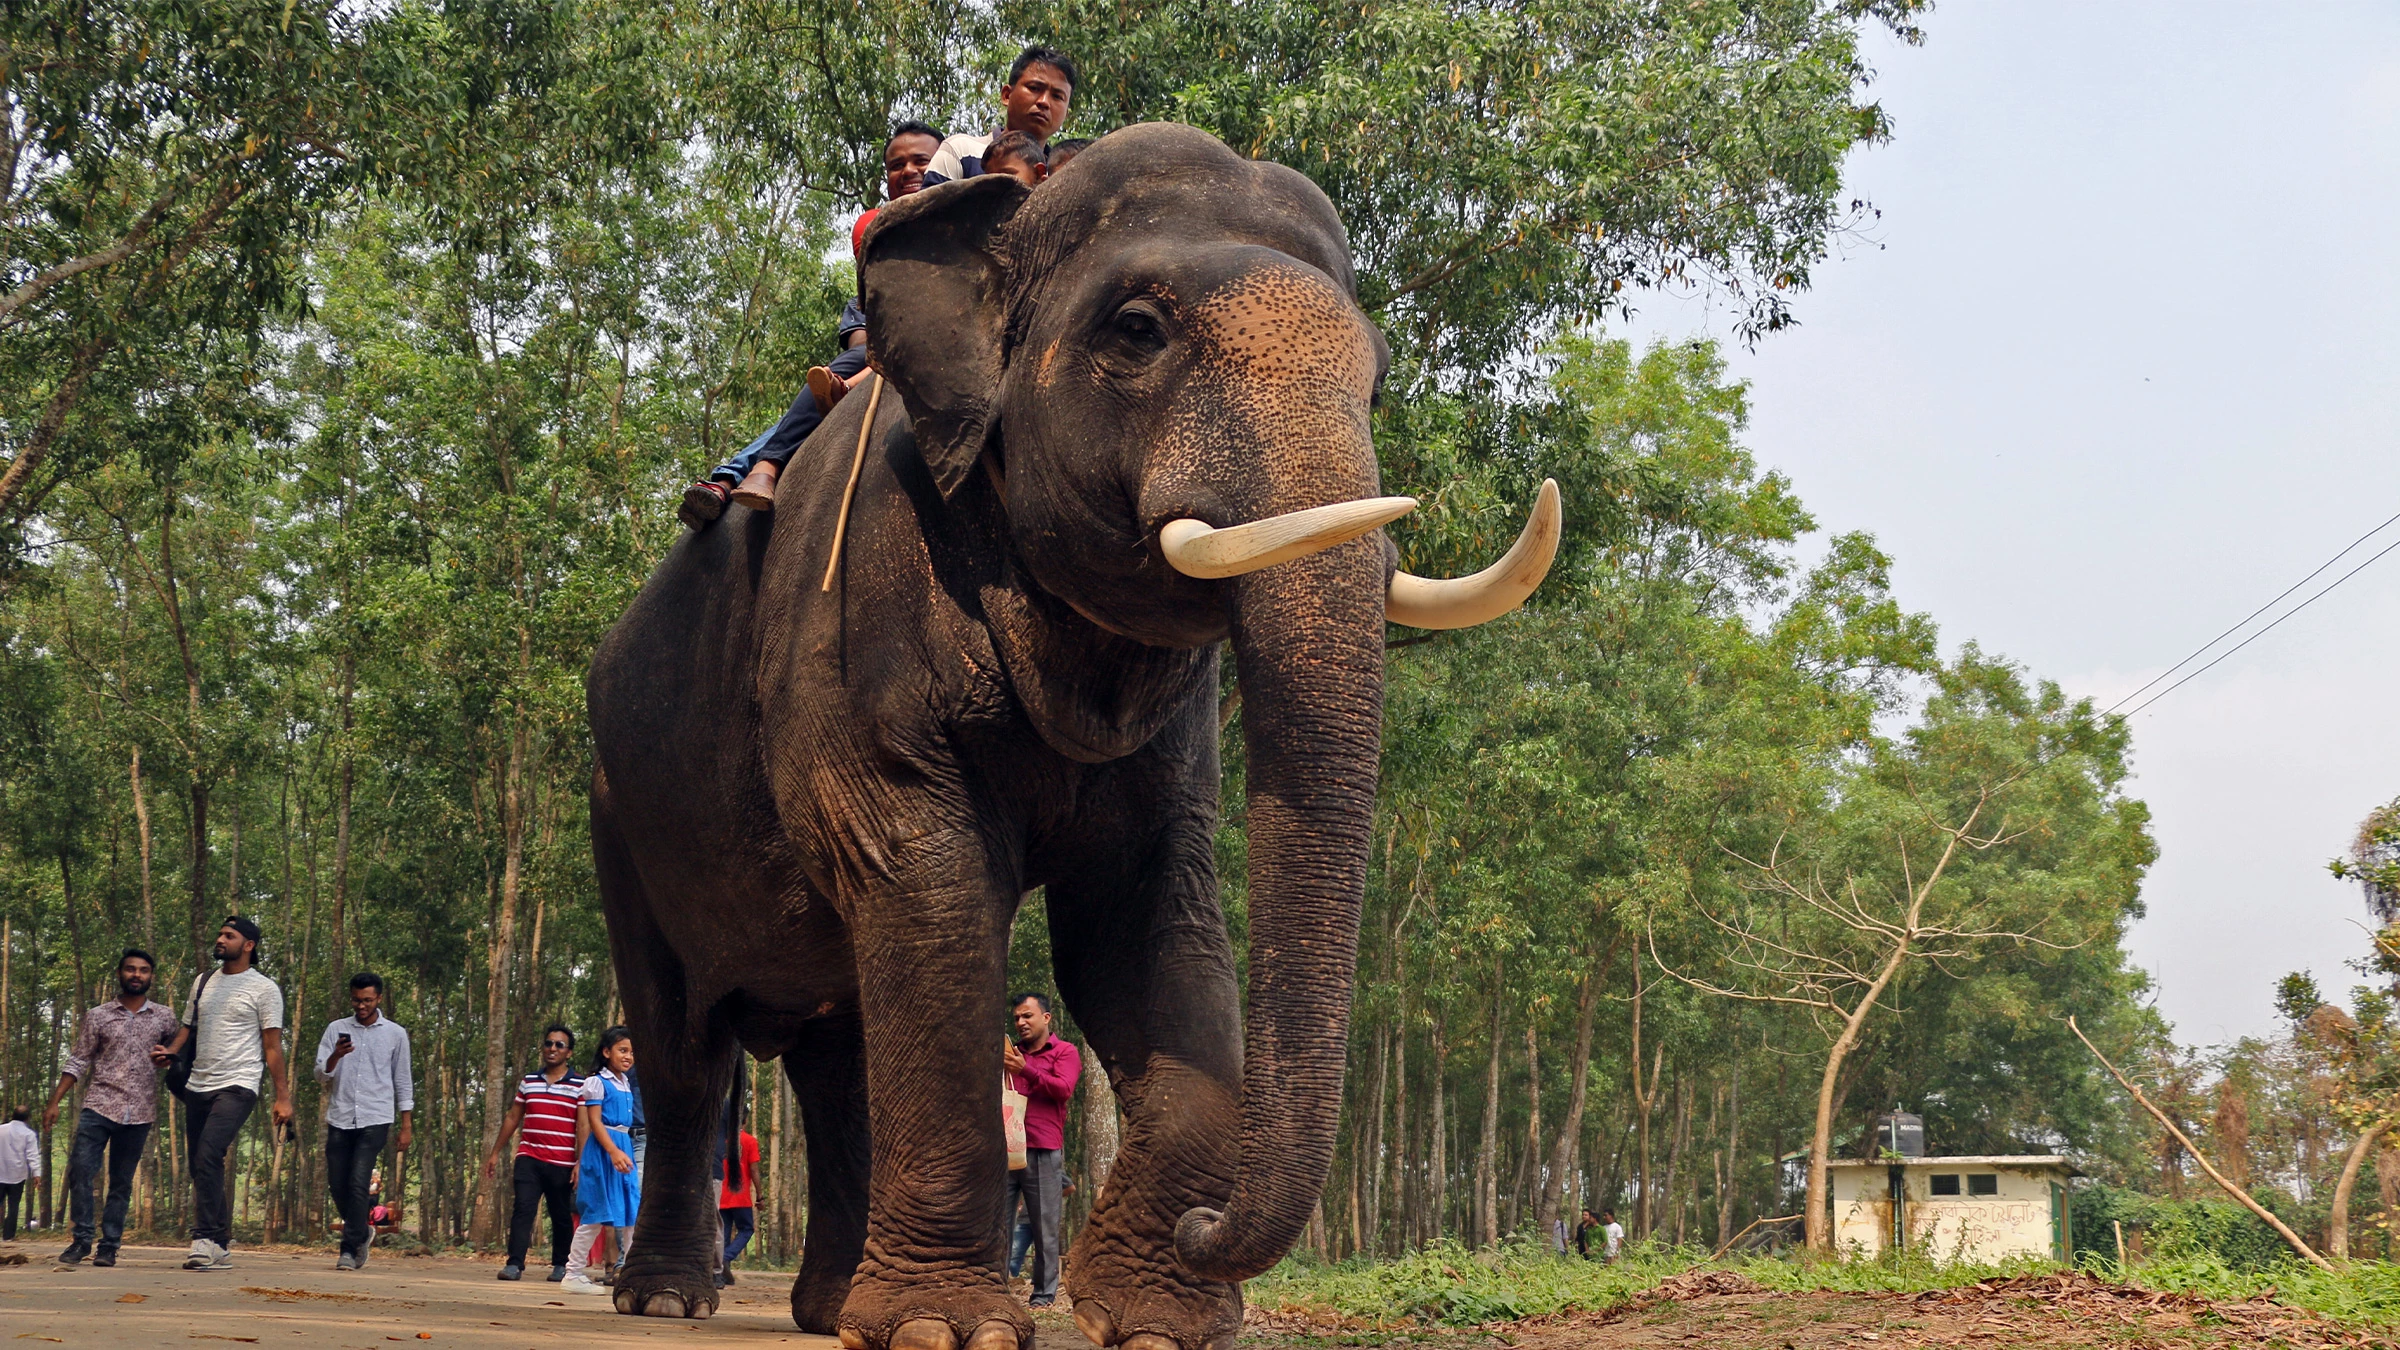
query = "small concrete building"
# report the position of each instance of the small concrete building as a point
(1981, 1208)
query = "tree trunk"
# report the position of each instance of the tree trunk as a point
(1370, 1162)
(1399, 1150)
(1819, 1215)
(504, 935)
(203, 931)
(1533, 1117)
(341, 834)
(2337, 1224)
(1487, 1162)
(1570, 1130)
(1729, 1182)
(1437, 1184)
(141, 816)
(1678, 1144)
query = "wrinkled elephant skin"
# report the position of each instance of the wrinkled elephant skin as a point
(815, 810)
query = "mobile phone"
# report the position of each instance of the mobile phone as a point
(343, 1039)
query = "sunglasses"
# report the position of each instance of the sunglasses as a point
(554, 1045)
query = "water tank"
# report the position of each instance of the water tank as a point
(1900, 1132)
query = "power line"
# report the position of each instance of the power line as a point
(2203, 647)
(2270, 627)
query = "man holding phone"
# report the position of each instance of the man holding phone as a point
(363, 1062)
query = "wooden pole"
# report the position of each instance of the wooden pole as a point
(858, 459)
(2119, 1225)
(2205, 1165)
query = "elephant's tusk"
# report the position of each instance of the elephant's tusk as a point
(1198, 549)
(1421, 603)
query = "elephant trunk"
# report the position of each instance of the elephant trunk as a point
(1308, 639)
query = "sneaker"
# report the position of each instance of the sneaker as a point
(345, 1262)
(106, 1256)
(512, 1271)
(207, 1255)
(75, 1252)
(557, 1273)
(1040, 1302)
(577, 1284)
(728, 1276)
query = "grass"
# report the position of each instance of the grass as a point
(1447, 1285)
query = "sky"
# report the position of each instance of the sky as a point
(2119, 362)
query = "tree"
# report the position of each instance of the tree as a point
(1995, 822)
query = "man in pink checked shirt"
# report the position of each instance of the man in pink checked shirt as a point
(1044, 1068)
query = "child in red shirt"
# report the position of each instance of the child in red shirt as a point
(735, 1213)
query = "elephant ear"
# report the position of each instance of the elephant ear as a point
(937, 305)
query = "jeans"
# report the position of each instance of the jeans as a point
(349, 1165)
(1037, 1185)
(12, 1194)
(1019, 1243)
(539, 1182)
(737, 1225)
(210, 1122)
(96, 1134)
(776, 443)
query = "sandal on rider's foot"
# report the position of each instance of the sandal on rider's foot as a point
(827, 386)
(758, 490)
(702, 503)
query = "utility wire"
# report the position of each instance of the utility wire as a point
(2202, 649)
(2270, 627)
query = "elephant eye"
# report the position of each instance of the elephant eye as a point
(1139, 330)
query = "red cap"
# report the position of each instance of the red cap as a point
(858, 231)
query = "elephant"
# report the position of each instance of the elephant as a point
(974, 650)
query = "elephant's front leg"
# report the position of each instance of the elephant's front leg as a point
(1143, 959)
(686, 1062)
(931, 938)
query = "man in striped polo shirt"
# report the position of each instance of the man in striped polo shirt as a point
(545, 1167)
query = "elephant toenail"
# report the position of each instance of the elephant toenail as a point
(924, 1333)
(853, 1339)
(1093, 1320)
(663, 1305)
(1150, 1340)
(624, 1301)
(993, 1336)
(701, 1311)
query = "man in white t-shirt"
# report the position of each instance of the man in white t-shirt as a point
(239, 1013)
(1041, 83)
(1612, 1236)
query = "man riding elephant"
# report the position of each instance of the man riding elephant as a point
(1127, 422)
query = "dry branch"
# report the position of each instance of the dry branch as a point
(2194, 1149)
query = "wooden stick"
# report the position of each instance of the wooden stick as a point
(858, 459)
(2119, 1225)
(2205, 1165)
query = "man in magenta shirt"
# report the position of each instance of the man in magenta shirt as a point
(1044, 1068)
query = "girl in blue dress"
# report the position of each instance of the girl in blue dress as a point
(608, 1192)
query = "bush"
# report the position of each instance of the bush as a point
(2178, 1230)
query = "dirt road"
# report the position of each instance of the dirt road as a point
(276, 1299)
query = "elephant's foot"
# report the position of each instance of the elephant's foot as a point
(1144, 1306)
(884, 1313)
(817, 1298)
(659, 1288)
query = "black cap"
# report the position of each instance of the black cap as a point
(242, 924)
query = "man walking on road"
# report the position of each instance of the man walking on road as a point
(1044, 1068)
(236, 1016)
(20, 1162)
(120, 1103)
(363, 1062)
(546, 1104)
